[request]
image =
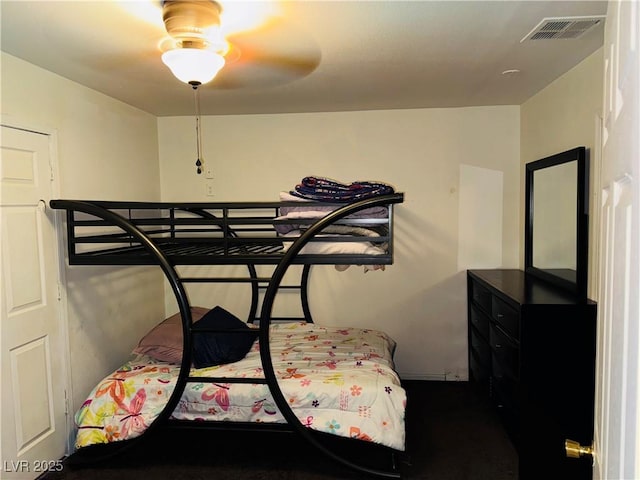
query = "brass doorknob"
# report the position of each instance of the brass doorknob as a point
(574, 450)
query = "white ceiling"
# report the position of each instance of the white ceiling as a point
(367, 54)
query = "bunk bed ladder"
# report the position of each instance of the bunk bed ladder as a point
(302, 289)
(259, 285)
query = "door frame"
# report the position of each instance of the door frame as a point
(60, 256)
(611, 458)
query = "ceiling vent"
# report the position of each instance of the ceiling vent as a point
(563, 27)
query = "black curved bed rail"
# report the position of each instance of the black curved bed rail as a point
(156, 256)
(178, 291)
(265, 321)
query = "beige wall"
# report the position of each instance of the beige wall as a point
(562, 116)
(420, 300)
(106, 150)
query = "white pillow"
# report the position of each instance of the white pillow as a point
(328, 248)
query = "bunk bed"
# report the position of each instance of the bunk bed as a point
(333, 366)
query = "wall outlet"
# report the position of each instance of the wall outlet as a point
(209, 189)
(208, 172)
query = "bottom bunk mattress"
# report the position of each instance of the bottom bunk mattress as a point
(337, 380)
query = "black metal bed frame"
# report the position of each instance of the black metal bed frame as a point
(239, 233)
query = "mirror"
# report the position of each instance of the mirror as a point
(556, 220)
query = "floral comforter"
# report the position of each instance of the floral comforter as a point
(337, 380)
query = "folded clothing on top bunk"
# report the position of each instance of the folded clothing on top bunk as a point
(337, 380)
(290, 224)
(314, 212)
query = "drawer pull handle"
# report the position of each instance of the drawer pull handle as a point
(498, 345)
(500, 315)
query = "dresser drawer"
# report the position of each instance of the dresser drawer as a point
(504, 391)
(479, 371)
(506, 316)
(481, 297)
(480, 321)
(504, 397)
(480, 347)
(505, 353)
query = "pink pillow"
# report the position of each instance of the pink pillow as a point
(164, 341)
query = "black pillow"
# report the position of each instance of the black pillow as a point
(216, 348)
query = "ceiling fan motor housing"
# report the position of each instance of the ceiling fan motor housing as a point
(187, 21)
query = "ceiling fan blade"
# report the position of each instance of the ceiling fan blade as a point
(303, 63)
(276, 53)
(261, 75)
(261, 69)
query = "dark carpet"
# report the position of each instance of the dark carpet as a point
(452, 434)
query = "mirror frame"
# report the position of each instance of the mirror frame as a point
(579, 286)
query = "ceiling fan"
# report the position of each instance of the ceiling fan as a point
(272, 53)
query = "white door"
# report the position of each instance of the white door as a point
(617, 419)
(33, 422)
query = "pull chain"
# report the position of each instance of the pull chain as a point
(196, 95)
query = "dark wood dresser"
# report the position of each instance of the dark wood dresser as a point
(532, 352)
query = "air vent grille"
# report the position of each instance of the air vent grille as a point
(563, 28)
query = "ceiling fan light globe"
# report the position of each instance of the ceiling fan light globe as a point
(193, 64)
